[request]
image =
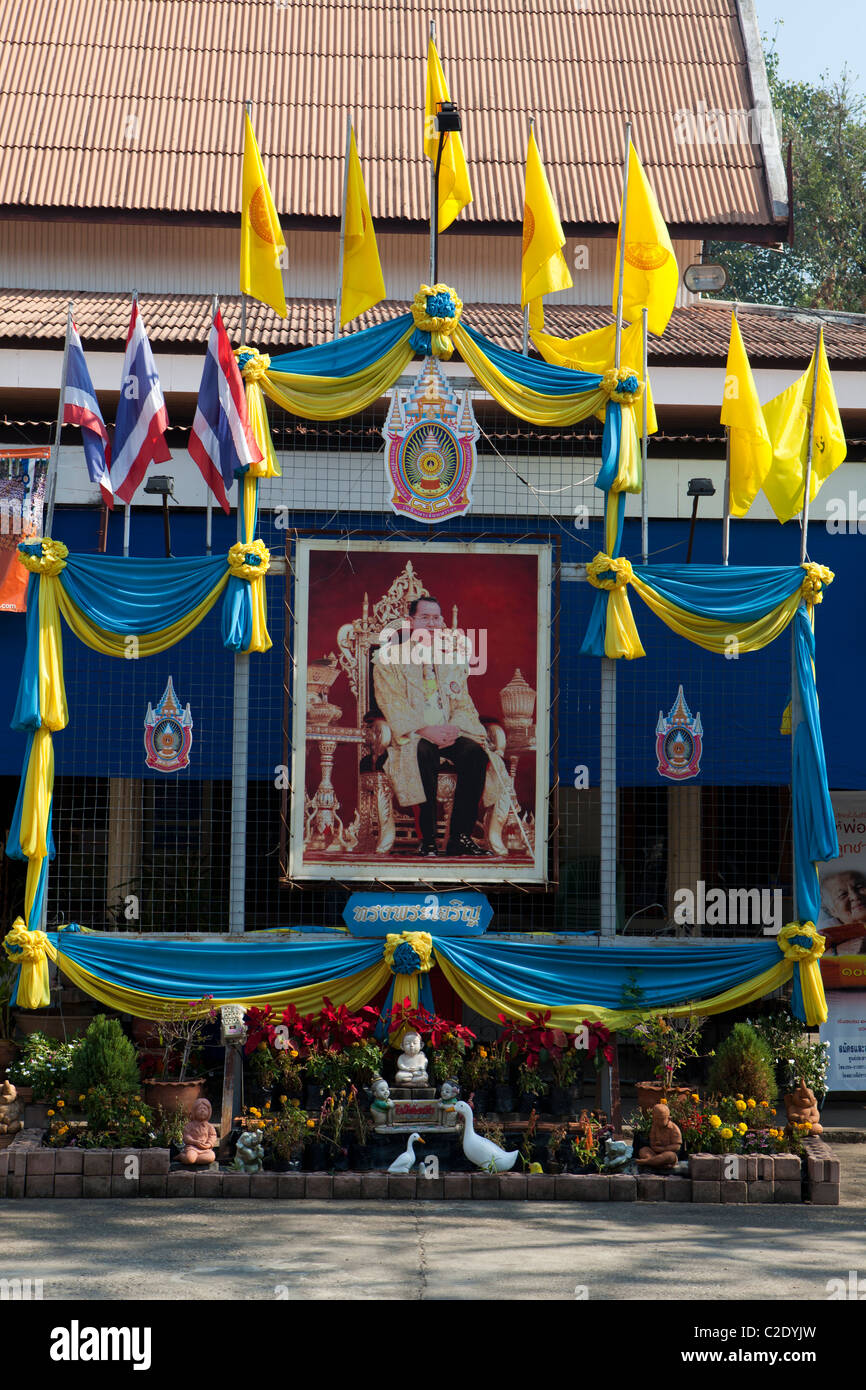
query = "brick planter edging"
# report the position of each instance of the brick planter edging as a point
(28, 1170)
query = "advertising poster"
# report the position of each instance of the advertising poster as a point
(845, 1031)
(842, 920)
(421, 716)
(22, 492)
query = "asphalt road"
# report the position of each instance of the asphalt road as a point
(181, 1250)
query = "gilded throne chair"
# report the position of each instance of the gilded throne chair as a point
(385, 826)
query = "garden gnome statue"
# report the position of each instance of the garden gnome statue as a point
(10, 1109)
(801, 1108)
(664, 1141)
(199, 1135)
(380, 1101)
(411, 1064)
(449, 1093)
(249, 1152)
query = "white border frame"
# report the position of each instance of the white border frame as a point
(479, 871)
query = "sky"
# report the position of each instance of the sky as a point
(814, 38)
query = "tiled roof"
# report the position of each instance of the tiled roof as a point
(135, 105)
(696, 334)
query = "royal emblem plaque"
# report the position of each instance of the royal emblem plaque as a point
(679, 740)
(430, 436)
(168, 733)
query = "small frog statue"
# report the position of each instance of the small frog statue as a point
(249, 1152)
(11, 1109)
(411, 1064)
(380, 1101)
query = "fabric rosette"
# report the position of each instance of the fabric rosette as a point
(46, 557)
(436, 311)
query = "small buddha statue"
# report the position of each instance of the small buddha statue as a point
(10, 1109)
(411, 1064)
(664, 1141)
(199, 1135)
(801, 1107)
(380, 1101)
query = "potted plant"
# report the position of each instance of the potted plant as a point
(669, 1043)
(474, 1077)
(181, 1032)
(43, 1066)
(284, 1131)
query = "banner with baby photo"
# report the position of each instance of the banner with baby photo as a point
(842, 921)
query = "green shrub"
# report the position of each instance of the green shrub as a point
(106, 1059)
(743, 1065)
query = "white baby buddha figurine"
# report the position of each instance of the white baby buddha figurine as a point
(411, 1064)
(449, 1094)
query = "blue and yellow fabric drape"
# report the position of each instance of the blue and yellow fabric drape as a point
(123, 607)
(575, 981)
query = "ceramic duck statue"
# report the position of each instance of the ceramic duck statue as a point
(406, 1161)
(482, 1152)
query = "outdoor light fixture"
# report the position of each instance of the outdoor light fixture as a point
(698, 488)
(447, 117)
(704, 278)
(163, 487)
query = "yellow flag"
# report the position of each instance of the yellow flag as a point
(787, 420)
(454, 187)
(363, 282)
(751, 452)
(544, 269)
(651, 276)
(594, 352)
(262, 244)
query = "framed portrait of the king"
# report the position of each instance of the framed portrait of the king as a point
(420, 729)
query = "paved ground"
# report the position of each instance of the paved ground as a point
(418, 1250)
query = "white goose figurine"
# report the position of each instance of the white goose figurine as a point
(406, 1161)
(483, 1152)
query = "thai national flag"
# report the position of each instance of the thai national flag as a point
(80, 407)
(142, 419)
(221, 441)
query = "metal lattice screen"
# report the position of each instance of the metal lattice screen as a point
(143, 850)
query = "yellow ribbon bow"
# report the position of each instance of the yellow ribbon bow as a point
(605, 572)
(421, 943)
(622, 384)
(49, 562)
(249, 560)
(439, 326)
(254, 365)
(806, 957)
(817, 578)
(32, 951)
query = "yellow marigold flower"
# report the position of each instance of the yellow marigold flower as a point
(726, 1133)
(482, 1052)
(715, 1121)
(283, 1100)
(741, 1128)
(296, 1102)
(694, 1096)
(267, 1105)
(81, 1097)
(772, 1112)
(60, 1104)
(740, 1104)
(49, 1112)
(294, 1052)
(136, 1097)
(751, 1104)
(311, 1124)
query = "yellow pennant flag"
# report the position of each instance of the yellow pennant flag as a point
(651, 276)
(455, 191)
(787, 420)
(363, 282)
(262, 244)
(594, 352)
(751, 452)
(544, 269)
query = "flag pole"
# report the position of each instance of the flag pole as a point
(622, 223)
(127, 506)
(54, 460)
(726, 523)
(248, 108)
(434, 189)
(807, 482)
(343, 229)
(208, 533)
(644, 491)
(526, 306)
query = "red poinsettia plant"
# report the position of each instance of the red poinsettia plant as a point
(434, 1029)
(599, 1047)
(535, 1041)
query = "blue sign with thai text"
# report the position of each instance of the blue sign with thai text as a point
(440, 914)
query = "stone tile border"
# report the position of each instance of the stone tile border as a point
(29, 1170)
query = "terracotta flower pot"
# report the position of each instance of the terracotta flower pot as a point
(173, 1095)
(649, 1093)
